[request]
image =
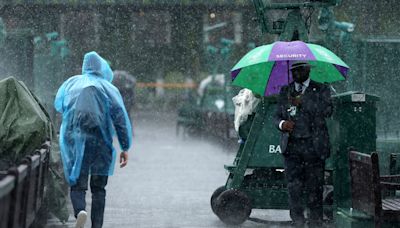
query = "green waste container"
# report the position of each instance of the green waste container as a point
(352, 127)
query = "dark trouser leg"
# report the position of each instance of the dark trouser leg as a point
(97, 186)
(78, 193)
(314, 181)
(295, 175)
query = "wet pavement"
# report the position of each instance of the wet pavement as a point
(169, 181)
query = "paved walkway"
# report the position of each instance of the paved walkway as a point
(168, 181)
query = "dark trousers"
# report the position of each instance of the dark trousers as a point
(305, 176)
(97, 187)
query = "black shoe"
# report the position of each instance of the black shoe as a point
(315, 224)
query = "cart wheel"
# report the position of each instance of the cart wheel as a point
(213, 201)
(234, 207)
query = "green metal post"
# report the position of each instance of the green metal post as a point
(3, 32)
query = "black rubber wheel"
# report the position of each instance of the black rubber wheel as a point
(213, 201)
(234, 207)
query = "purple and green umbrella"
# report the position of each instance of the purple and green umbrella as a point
(265, 69)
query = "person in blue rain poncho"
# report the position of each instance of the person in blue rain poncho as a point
(92, 110)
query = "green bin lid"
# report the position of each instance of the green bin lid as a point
(354, 96)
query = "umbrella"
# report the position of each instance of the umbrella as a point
(125, 82)
(265, 69)
(122, 79)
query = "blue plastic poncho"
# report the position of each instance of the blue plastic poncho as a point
(92, 110)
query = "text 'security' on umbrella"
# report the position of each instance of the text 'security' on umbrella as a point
(265, 69)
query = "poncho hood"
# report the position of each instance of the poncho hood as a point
(94, 64)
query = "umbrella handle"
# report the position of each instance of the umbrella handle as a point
(333, 89)
(288, 71)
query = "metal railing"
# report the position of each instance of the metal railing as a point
(22, 190)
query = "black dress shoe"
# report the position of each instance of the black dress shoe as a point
(315, 224)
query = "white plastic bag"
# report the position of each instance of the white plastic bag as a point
(245, 104)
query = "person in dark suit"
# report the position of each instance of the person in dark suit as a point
(303, 106)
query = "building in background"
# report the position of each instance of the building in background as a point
(147, 39)
(155, 39)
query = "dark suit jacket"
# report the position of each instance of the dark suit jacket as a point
(316, 101)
